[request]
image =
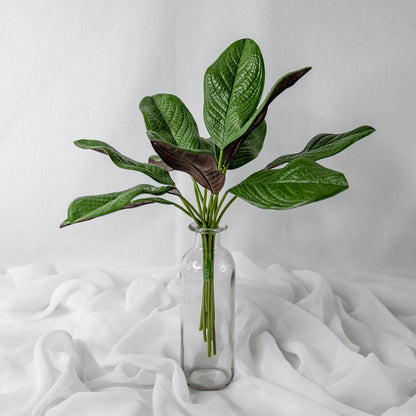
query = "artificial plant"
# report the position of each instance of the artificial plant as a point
(235, 120)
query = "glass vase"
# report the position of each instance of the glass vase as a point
(207, 278)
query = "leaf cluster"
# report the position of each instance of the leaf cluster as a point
(234, 116)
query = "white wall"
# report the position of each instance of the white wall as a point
(78, 69)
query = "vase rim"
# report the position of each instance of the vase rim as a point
(201, 230)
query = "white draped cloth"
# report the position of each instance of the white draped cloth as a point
(106, 342)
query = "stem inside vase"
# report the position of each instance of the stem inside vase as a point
(207, 321)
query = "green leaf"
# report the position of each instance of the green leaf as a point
(301, 182)
(207, 145)
(157, 173)
(325, 145)
(201, 165)
(233, 86)
(88, 207)
(250, 148)
(237, 139)
(168, 116)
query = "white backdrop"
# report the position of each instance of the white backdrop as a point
(78, 69)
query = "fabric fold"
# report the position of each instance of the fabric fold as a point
(95, 341)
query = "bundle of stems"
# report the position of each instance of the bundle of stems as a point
(207, 216)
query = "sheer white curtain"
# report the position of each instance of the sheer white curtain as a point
(78, 69)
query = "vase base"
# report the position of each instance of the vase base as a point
(208, 378)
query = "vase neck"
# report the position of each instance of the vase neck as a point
(203, 235)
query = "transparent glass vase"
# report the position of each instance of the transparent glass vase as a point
(207, 277)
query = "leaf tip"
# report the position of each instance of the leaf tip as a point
(65, 223)
(303, 71)
(370, 129)
(144, 103)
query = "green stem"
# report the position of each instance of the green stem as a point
(212, 209)
(208, 212)
(188, 210)
(208, 215)
(184, 210)
(209, 220)
(204, 203)
(224, 210)
(220, 204)
(220, 160)
(198, 195)
(207, 320)
(195, 215)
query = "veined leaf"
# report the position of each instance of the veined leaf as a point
(250, 148)
(89, 207)
(168, 116)
(325, 145)
(157, 173)
(233, 86)
(301, 182)
(197, 163)
(235, 141)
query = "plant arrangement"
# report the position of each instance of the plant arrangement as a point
(235, 120)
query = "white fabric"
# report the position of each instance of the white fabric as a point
(106, 342)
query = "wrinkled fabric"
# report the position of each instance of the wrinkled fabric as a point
(106, 342)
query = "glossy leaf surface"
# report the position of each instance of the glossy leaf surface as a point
(89, 207)
(301, 182)
(233, 86)
(325, 145)
(157, 173)
(168, 116)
